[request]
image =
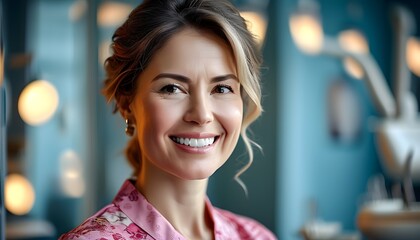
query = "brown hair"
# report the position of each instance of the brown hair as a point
(147, 29)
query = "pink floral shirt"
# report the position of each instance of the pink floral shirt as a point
(131, 216)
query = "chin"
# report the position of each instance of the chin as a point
(197, 175)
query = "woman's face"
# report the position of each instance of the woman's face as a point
(188, 108)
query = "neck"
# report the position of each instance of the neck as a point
(180, 201)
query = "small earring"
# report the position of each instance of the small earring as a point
(129, 129)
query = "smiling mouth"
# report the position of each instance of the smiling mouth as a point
(195, 142)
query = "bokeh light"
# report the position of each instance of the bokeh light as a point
(71, 174)
(413, 55)
(307, 32)
(257, 25)
(19, 194)
(38, 102)
(111, 14)
(353, 41)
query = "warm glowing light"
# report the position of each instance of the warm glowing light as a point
(353, 68)
(78, 9)
(355, 42)
(19, 194)
(256, 24)
(413, 55)
(112, 13)
(71, 177)
(307, 32)
(38, 102)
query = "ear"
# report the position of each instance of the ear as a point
(128, 114)
(124, 107)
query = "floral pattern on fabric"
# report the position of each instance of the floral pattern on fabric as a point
(131, 216)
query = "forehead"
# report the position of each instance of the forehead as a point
(192, 50)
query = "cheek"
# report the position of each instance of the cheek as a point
(159, 116)
(230, 114)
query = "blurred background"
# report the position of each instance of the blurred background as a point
(325, 154)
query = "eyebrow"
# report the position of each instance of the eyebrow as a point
(185, 79)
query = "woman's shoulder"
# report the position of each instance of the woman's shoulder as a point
(108, 223)
(245, 227)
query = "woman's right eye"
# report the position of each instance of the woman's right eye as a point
(170, 89)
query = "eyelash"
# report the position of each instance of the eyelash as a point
(219, 86)
(175, 87)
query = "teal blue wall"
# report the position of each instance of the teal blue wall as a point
(59, 49)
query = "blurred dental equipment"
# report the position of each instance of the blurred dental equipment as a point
(398, 128)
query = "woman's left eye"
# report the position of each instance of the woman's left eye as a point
(223, 89)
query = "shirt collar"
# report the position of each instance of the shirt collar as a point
(143, 214)
(133, 204)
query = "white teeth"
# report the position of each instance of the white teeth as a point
(194, 142)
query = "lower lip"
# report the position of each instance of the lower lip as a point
(196, 150)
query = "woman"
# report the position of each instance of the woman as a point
(185, 76)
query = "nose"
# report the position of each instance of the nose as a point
(199, 110)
